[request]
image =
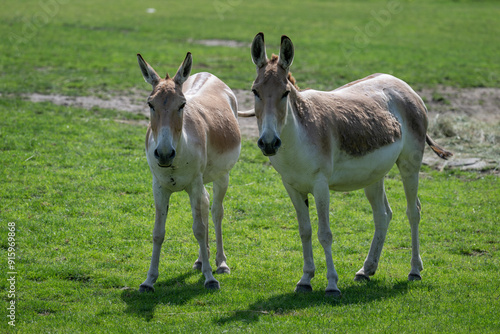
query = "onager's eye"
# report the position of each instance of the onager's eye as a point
(151, 107)
(255, 93)
(182, 106)
(285, 94)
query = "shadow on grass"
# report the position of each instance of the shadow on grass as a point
(288, 303)
(171, 292)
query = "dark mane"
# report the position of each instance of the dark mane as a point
(274, 60)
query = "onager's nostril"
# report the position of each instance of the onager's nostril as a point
(172, 154)
(277, 143)
(260, 143)
(157, 155)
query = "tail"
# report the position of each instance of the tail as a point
(247, 113)
(441, 152)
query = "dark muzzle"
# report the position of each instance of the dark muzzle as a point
(267, 147)
(165, 157)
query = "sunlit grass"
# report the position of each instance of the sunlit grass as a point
(77, 187)
(84, 48)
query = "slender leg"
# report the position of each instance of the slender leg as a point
(301, 205)
(321, 194)
(410, 183)
(198, 263)
(409, 167)
(220, 188)
(161, 198)
(382, 215)
(199, 206)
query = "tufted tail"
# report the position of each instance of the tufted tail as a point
(441, 152)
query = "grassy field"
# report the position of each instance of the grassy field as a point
(87, 47)
(75, 188)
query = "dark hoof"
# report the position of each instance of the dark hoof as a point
(414, 277)
(146, 288)
(212, 285)
(361, 278)
(333, 293)
(197, 265)
(223, 270)
(303, 288)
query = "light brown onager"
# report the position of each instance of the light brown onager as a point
(341, 140)
(193, 139)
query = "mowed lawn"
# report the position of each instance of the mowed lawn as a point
(76, 189)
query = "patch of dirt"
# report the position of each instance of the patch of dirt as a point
(125, 103)
(465, 121)
(480, 103)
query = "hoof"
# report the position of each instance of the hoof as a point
(333, 293)
(146, 288)
(212, 285)
(303, 288)
(197, 265)
(414, 277)
(361, 278)
(223, 270)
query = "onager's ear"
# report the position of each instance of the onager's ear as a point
(184, 70)
(258, 48)
(148, 72)
(286, 52)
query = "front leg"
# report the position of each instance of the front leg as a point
(162, 198)
(301, 205)
(321, 194)
(200, 203)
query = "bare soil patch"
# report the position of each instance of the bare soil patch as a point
(464, 120)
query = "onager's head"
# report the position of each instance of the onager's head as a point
(166, 103)
(271, 89)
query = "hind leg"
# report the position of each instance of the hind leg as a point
(413, 212)
(409, 173)
(382, 215)
(220, 188)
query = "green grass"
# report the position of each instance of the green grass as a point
(84, 48)
(77, 186)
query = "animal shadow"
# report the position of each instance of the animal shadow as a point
(287, 303)
(175, 291)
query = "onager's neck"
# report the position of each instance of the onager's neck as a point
(297, 114)
(298, 107)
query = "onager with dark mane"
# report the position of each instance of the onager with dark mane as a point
(193, 139)
(341, 140)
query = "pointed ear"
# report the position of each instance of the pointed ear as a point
(286, 52)
(148, 72)
(258, 49)
(184, 70)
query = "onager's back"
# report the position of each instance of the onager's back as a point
(193, 139)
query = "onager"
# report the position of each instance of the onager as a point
(193, 139)
(340, 140)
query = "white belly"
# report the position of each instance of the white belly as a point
(351, 173)
(343, 172)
